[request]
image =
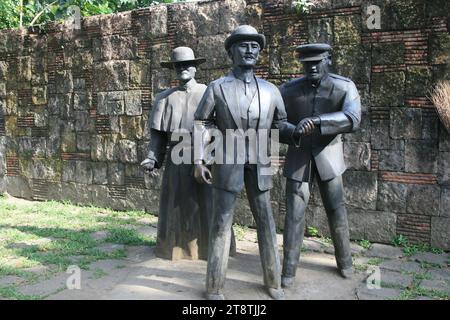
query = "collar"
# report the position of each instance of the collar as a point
(230, 76)
(243, 78)
(188, 86)
(318, 84)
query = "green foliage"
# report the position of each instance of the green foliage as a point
(239, 231)
(417, 291)
(303, 6)
(360, 267)
(12, 293)
(98, 273)
(9, 14)
(365, 243)
(429, 265)
(421, 276)
(129, 237)
(53, 235)
(41, 11)
(399, 241)
(411, 249)
(313, 232)
(375, 261)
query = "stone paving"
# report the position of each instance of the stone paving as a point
(143, 276)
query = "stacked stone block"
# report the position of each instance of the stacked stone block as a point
(74, 104)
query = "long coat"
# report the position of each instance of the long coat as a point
(184, 203)
(337, 103)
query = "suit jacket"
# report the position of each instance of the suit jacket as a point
(336, 101)
(219, 109)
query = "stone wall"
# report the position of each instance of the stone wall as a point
(74, 104)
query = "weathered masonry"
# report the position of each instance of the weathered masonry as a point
(74, 104)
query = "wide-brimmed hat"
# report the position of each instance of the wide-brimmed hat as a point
(245, 32)
(182, 54)
(313, 51)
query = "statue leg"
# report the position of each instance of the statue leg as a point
(233, 248)
(219, 243)
(261, 208)
(332, 193)
(297, 197)
(205, 200)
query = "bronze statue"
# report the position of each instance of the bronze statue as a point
(236, 101)
(324, 105)
(185, 204)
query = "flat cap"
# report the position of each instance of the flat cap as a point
(313, 51)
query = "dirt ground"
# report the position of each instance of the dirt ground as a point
(142, 276)
(381, 272)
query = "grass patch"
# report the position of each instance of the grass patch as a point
(410, 249)
(129, 237)
(421, 276)
(416, 291)
(11, 292)
(429, 265)
(99, 273)
(360, 267)
(365, 243)
(302, 249)
(12, 271)
(58, 234)
(388, 285)
(375, 261)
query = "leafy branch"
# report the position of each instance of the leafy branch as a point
(303, 6)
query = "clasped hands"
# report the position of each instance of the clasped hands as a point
(306, 126)
(202, 174)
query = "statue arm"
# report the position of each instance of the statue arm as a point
(346, 120)
(158, 146)
(286, 129)
(203, 121)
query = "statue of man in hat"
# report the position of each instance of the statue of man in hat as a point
(185, 204)
(241, 102)
(324, 105)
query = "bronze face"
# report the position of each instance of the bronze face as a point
(316, 70)
(245, 53)
(185, 71)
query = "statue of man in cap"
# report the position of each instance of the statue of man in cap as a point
(239, 101)
(185, 204)
(324, 105)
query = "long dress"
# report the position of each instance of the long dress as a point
(185, 205)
